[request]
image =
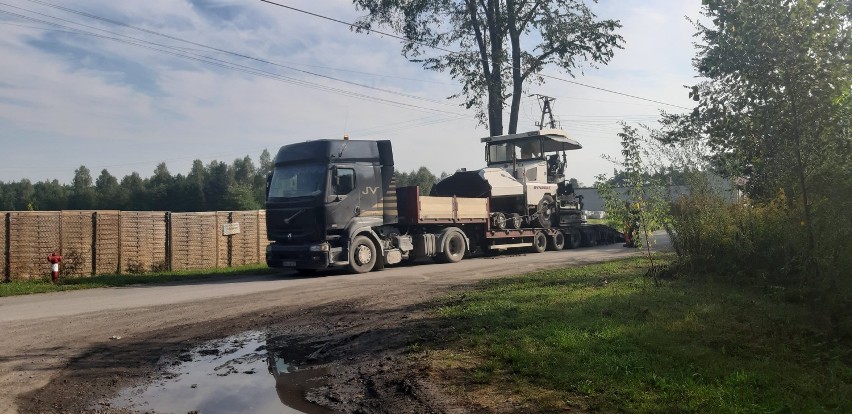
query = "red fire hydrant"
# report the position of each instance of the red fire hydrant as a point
(54, 259)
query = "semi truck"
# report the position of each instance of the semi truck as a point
(335, 203)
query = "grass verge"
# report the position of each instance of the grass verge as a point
(26, 287)
(600, 338)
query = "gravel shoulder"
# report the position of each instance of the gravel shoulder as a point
(57, 355)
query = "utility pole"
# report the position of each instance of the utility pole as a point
(546, 110)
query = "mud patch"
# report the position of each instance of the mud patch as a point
(347, 356)
(249, 372)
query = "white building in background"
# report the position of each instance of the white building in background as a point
(592, 201)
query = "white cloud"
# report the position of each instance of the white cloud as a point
(73, 109)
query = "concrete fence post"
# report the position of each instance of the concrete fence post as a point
(230, 241)
(7, 263)
(120, 243)
(94, 243)
(169, 243)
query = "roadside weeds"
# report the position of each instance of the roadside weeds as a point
(44, 285)
(602, 338)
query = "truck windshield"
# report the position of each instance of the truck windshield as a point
(298, 180)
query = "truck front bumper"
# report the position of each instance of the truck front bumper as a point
(298, 257)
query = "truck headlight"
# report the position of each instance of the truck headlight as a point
(269, 247)
(323, 247)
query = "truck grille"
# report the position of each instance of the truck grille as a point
(293, 225)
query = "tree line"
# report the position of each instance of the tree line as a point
(240, 185)
(215, 186)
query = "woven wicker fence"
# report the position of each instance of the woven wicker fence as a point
(109, 242)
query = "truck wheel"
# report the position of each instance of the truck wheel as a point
(362, 254)
(453, 249)
(539, 242)
(573, 240)
(556, 242)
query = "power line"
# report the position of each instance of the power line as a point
(179, 52)
(92, 16)
(613, 92)
(234, 66)
(116, 22)
(459, 53)
(351, 25)
(228, 52)
(119, 23)
(182, 50)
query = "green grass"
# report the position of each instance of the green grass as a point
(26, 287)
(600, 338)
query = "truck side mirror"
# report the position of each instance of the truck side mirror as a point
(268, 183)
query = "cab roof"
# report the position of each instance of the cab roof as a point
(335, 150)
(552, 139)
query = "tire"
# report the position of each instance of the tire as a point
(539, 242)
(556, 242)
(545, 211)
(498, 221)
(453, 248)
(589, 239)
(362, 255)
(573, 239)
(610, 237)
(514, 221)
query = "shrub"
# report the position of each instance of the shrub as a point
(741, 241)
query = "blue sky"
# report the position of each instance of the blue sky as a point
(69, 99)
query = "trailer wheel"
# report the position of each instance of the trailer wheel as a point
(573, 240)
(556, 241)
(539, 242)
(362, 254)
(453, 249)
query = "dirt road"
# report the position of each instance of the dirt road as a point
(59, 351)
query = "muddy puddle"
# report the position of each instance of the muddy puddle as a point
(250, 373)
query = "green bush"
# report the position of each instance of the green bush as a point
(766, 243)
(743, 241)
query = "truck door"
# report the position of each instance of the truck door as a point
(342, 199)
(355, 194)
(371, 195)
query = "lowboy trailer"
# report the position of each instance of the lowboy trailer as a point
(334, 203)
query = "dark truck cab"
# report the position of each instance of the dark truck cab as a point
(323, 193)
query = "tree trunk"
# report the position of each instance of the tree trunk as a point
(517, 80)
(495, 86)
(483, 55)
(800, 173)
